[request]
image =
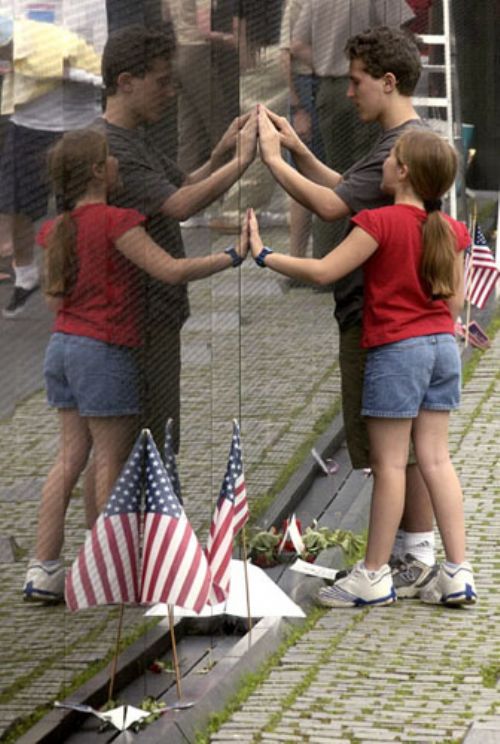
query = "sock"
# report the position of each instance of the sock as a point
(27, 277)
(398, 549)
(452, 566)
(421, 546)
(51, 564)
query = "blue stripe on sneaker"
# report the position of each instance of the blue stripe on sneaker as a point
(391, 597)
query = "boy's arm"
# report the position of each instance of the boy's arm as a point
(194, 195)
(319, 198)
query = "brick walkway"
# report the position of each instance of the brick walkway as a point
(275, 375)
(408, 672)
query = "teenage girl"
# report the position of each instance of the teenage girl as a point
(413, 273)
(93, 258)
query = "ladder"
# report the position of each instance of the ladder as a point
(447, 104)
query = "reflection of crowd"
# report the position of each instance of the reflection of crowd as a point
(116, 272)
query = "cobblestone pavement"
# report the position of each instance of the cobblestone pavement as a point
(408, 672)
(275, 370)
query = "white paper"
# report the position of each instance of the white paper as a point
(124, 716)
(311, 569)
(266, 598)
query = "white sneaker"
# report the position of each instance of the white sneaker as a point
(44, 584)
(450, 586)
(360, 588)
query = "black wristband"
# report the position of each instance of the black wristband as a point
(261, 258)
(235, 257)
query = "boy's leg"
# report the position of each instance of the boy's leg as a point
(389, 443)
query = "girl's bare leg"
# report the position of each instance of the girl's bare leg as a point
(113, 438)
(74, 448)
(389, 442)
(430, 437)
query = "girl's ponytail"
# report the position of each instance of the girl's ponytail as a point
(437, 265)
(71, 162)
(60, 257)
(432, 166)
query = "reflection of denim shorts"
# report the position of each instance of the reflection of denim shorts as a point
(403, 377)
(97, 378)
(24, 183)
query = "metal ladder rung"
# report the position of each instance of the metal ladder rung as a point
(436, 102)
(434, 68)
(432, 38)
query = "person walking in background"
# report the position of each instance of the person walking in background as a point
(93, 256)
(46, 97)
(303, 87)
(383, 73)
(412, 257)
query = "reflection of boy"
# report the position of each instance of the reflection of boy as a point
(384, 70)
(137, 77)
(39, 119)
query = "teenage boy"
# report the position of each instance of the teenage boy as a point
(383, 73)
(138, 80)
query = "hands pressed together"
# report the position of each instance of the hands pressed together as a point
(259, 126)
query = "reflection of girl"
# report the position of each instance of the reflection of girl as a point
(92, 279)
(413, 287)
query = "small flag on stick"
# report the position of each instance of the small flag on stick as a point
(231, 513)
(174, 567)
(106, 571)
(170, 460)
(481, 272)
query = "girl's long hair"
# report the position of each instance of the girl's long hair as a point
(432, 166)
(70, 163)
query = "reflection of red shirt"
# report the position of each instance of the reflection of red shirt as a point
(106, 301)
(396, 304)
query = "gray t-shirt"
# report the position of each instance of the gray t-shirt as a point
(360, 189)
(149, 177)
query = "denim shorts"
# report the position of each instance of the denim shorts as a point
(403, 377)
(97, 378)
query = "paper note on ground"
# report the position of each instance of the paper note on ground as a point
(311, 569)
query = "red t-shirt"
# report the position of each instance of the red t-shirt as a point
(106, 301)
(396, 304)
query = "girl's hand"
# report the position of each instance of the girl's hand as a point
(269, 138)
(256, 244)
(244, 240)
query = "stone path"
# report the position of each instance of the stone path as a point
(408, 672)
(276, 371)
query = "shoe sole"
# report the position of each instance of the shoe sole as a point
(45, 599)
(389, 599)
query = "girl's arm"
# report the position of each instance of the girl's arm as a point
(139, 248)
(456, 303)
(351, 253)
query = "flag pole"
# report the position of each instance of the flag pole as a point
(114, 663)
(174, 651)
(469, 277)
(245, 568)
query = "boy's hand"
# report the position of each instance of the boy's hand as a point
(246, 146)
(288, 137)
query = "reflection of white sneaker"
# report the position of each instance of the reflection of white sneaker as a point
(360, 588)
(44, 584)
(450, 586)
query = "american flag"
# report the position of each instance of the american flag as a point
(174, 566)
(231, 513)
(481, 272)
(170, 460)
(106, 570)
